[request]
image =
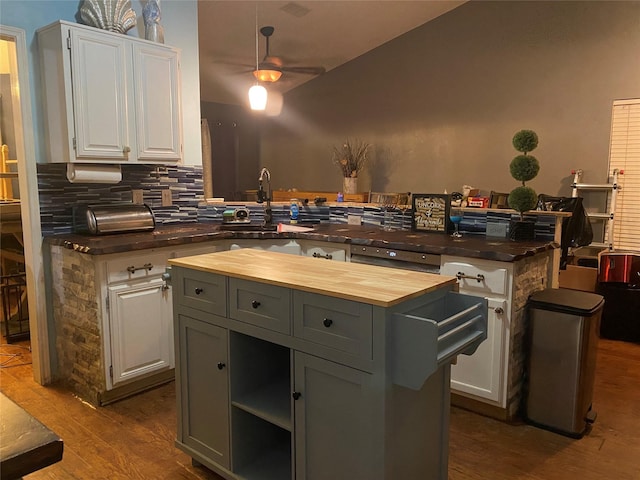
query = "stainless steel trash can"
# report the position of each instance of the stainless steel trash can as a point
(564, 326)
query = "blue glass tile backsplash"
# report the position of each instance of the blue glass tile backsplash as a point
(58, 196)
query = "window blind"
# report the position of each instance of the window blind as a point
(624, 154)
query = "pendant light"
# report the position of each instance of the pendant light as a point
(257, 93)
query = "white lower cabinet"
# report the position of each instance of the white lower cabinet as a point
(139, 313)
(141, 329)
(483, 375)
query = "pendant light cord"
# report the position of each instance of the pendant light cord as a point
(257, 39)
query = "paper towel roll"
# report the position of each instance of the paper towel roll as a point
(93, 173)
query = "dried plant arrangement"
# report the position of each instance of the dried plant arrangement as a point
(351, 157)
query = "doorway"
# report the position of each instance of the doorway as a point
(19, 190)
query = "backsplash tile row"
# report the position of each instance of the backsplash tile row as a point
(58, 196)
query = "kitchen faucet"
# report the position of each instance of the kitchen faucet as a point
(262, 196)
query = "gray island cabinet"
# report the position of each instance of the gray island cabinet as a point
(290, 368)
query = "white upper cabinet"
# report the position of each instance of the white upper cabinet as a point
(109, 98)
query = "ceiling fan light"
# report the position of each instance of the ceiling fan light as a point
(258, 97)
(263, 75)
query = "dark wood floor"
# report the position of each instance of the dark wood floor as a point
(133, 438)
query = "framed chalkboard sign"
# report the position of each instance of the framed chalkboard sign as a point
(430, 212)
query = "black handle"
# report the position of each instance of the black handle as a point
(198, 290)
(328, 256)
(296, 395)
(221, 365)
(255, 304)
(327, 322)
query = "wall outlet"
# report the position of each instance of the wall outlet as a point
(167, 201)
(496, 229)
(354, 219)
(137, 197)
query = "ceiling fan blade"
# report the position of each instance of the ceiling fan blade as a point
(305, 70)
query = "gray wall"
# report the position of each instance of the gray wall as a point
(441, 103)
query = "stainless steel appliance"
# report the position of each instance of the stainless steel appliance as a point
(389, 257)
(564, 338)
(117, 218)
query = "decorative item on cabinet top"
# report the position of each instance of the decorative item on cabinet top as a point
(113, 15)
(151, 14)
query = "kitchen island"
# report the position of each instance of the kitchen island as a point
(489, 382)
(287, 367)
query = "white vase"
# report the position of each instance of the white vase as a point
(350, 185)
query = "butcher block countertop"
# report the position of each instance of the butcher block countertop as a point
(473, 246)
(373, 285)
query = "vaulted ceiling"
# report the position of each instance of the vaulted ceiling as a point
(307, 33)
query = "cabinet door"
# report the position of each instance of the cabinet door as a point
(203, 389)
(141, 330)
(158, 118)
(482, 374)
(100, 74)
(334, 421)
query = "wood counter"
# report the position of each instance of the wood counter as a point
(380, 286)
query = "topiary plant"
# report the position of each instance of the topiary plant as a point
(524, 168)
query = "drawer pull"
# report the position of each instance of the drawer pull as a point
(328, 256)
(221, 365)
(327, 322)
(198, 290)
(146, 266)
(478, 278)
(296, 395)
(255, 304)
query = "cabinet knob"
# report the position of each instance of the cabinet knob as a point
(296, 395)
(126, 149)
(198, 290)
(221, 365)
(499, 310)
(255, 304)
(327, 322)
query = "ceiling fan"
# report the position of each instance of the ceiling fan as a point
(272, 67)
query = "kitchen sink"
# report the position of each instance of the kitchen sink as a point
(244, 227)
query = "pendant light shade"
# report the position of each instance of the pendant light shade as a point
(267, 75)
(258, 97)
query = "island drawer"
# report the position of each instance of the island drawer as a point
(260, 304)
(478, 278)
(343, 325)
(203, 291)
